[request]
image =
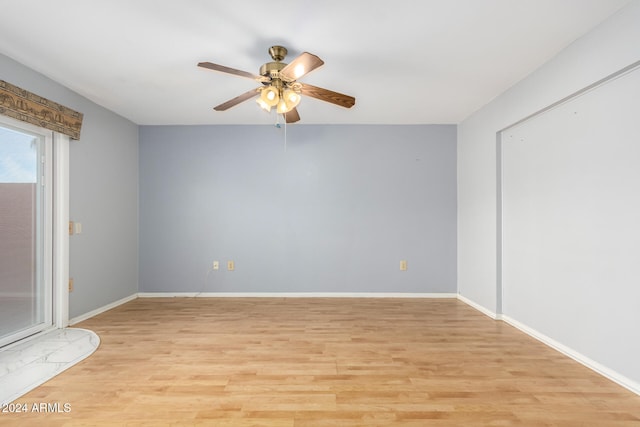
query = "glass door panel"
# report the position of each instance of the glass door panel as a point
(25, 297)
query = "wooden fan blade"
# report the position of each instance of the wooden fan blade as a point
(292, 116)
(303, 64)
(327, 95)
(228, 70)
(237, 100)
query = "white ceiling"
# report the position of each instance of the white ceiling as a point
(405, 61)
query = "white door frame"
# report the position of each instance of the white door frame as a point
(57, 247)
(60, 230)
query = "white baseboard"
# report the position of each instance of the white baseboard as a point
(625, 382)
(478, 307)
(580, 358)
(293, 295)
(97, 311)
(255, 295)
(16, 295)
(168, 294)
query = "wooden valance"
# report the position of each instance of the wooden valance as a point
(25, 106)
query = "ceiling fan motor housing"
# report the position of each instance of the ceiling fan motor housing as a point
(278, 53)
(272, 69)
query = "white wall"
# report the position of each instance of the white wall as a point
(606, 49)
(571, 203)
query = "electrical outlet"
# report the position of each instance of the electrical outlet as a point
(70, 228)
(403, 265)
(231, 265)
(216, 265)
(70, 284)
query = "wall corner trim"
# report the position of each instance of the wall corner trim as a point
(102, 309)
(580, 358)
(583, 360)
(480, 308)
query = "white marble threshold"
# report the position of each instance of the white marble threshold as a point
(31, 362)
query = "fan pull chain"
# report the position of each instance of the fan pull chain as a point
(285, 129)
(285, 134)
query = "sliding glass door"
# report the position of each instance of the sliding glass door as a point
(25, 233)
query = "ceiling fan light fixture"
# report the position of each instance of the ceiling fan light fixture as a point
(269, 96)
(282, 107)
(266, 107)
(291, 98)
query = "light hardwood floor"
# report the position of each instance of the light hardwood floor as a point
(322, 362)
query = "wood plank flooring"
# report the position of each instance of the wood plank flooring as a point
(321, 362)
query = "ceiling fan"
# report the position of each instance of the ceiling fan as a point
(280, 87)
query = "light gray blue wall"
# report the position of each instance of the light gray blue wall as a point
(335, 212)
(103, 195)
(613, 345)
